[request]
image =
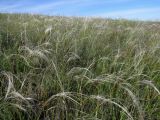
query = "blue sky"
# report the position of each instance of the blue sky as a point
(130, 9)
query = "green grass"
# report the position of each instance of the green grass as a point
(68, 68)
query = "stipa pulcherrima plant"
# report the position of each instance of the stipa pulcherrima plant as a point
(13, 99)
(57, 68)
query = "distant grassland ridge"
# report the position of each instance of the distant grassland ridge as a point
(70, 68)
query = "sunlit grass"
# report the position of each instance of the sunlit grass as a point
(66, 68)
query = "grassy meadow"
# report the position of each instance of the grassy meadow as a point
(70, 68)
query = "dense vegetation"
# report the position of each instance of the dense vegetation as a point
(66, 68)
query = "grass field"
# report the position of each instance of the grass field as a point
(70, 68)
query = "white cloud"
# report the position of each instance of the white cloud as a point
(8, 7)
(130, 13)
(51, 5)
(12, 5)
(27, 6)
(71, 7)
(64, 3)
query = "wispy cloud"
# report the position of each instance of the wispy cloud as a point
(70, 6)
(93, 2)
(75, 3)
(30, 6)
(4, 7)
(101, 8)
(55, 4)
(11, 5)
(130, 13)
(51, 5)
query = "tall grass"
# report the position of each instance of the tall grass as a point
(66, 68)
